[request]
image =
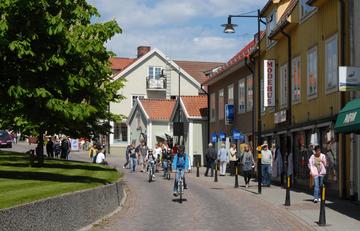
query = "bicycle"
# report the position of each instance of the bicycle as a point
(180, 185)
(167, 174)
(151, 170)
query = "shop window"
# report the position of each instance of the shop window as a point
(296, 79)
(230, 94)
(312, 73)
(221, 105)
(331, 64)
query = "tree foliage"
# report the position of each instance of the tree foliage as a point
(55, 73)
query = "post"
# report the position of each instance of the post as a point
(216, 176)
(197, 169)
(259, 106)
(236, 178)
(287, 197)
(322, 218)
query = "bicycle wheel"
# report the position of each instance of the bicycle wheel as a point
(150, 175)
(180, 189)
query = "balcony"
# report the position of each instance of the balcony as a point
(156, 84)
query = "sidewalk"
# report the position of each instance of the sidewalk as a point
(340, 214)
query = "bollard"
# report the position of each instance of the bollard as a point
(287, 197)
(197, 170)
(322, 219)
(216, 176)
(236, 178)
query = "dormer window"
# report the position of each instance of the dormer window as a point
(270, 25)
(305, 9)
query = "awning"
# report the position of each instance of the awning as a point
(348, 119)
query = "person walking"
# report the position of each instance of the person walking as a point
(133, 159)
(266, 164)
(223, 157)
(248, 164)
(127, 157)
(143, 150)
(64, 147)
(50, 148)
(317, 166)
(210, 159)
(233, 159)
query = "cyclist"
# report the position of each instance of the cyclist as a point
(166, 159)
(151, 160)
(180, 161)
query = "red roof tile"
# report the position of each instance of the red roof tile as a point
(158, 109)
(197, 69)
(196, 106)
(119, 64)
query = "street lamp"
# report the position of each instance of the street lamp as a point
(229, 28)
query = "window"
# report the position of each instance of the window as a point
(241, 98)
(283, 86)
(212, 107)
(249, 93)
(305, 9)
(134, 97)
(230, 94)
(296, 79)
(311, 70)
(270, 25)
(331, 64)
(120, 132)
(221, 105)
(154, 72)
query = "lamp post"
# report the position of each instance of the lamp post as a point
(229, 28)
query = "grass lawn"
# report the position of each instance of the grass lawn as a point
(21, 184)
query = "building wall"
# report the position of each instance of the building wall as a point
(137, 125)
(199, 142)
(158, 128)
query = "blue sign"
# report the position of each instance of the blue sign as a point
(236, 134)
(229, 112)
(213, 137)
(222, 136)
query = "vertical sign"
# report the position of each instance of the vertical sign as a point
(229, 113)
(269, 83)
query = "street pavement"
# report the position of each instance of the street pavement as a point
(213, 205)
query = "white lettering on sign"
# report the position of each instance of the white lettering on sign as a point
(350, 117)
(269, 83)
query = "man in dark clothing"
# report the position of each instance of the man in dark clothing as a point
(211, 156)
(50, 148)
(64, 147)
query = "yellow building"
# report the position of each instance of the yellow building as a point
(300, 56)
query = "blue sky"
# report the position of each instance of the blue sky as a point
(182, 29)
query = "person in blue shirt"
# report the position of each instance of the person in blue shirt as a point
(180, 161)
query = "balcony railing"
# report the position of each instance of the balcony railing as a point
(156, 84)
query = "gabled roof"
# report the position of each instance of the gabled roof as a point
(155, 51)
(282, 22)
(119, 63)
(195, 107)
(197, 69)
(238, 58)
(157, 109)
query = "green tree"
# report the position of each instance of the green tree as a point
(54, 65)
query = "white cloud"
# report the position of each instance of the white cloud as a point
(187, 29)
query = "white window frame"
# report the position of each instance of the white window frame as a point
(309, 65)
(295, 65)
(230, 95)
(306, 15)
(120, 141)
(270, 25)
(283, 90)
(241, 96)
(153, 74)
(249, 97)
(221, 104)
(331, 62)
(213, 107)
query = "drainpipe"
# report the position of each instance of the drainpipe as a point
(289, 112)
(342, 99)
(253, 111)
(208, 113)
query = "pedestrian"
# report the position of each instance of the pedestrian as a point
(50, 148)
(233, 159)
(127, 157)
(317, 166)
(57, 147)
(247, 163)
(133, 159)
(210, 159)
(64, 147)
(100, 157)
(158, 152)
(143, 150)
(266, 164)
(223, 158)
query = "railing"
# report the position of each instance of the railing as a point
(156, 84)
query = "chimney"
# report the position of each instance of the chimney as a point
(142, 50)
